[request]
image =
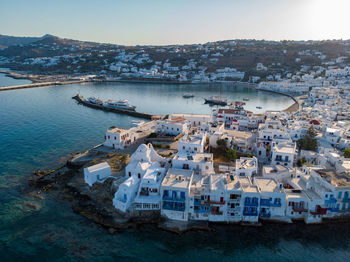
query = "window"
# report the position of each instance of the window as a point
(339, 194)
(129, 173)
(139, 175)
(182, 195)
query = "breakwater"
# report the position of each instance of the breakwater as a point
(41, 84)
(83, 101)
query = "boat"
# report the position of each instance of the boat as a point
(216, 100)
(259, 107)
(187, 95)
(95, 101)
(245, 99)
(120, 104)
(238, 105)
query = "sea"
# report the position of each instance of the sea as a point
(41, 127)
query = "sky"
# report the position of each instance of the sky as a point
(162, 22)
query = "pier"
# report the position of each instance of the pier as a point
(83, 101)
(41, 84)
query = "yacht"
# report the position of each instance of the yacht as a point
(187, 95)
(95, 101)
(216, 100)
(120, 104)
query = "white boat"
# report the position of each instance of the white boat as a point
(120, 104)
(187, 95)
(95, 101)
(216, 100)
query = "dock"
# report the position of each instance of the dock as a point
(40, 84)
(83, 101)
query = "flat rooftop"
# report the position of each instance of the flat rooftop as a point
(178, 178)
(267, 185)
(98, 167)
(275, 169)
(245, 163)
(247, 185)
(284, 148)
(233, 183)
(238, 134)
(198, 157)
(116, 130)
(192, 139)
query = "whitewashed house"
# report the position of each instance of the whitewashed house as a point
(96, 173)
(283, 154)
(148, 196)
(172, 127)
(272, 198)
(175, 191)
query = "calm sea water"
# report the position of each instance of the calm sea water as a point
(9, 81)
(39, 127)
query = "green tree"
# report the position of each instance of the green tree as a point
(231, 154)
(308, 142)
(221, 143)
(346, 152)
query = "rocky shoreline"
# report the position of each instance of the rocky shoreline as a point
(67, 183)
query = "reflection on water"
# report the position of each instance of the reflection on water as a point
(39, 127)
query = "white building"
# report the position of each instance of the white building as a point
(148, 196)
(96, 173)
(247, 166)
(172, 127)
(175, 191)
(283, 154)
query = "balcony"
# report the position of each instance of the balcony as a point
(211, 202)
(250, 213)
(346, 200)
(299, 209)
(265, 214)
(265, 202)
(319, 211)
(276, 204)
(282, 160)
(173, 206)
(332, 200)
(251, 203)
(333, 209)
(202, 210)
(169, 198)
(216, 213)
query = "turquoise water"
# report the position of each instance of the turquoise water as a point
(40, 126)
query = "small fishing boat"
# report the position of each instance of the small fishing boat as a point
(259, 107)
(187, 95)
(245, 99)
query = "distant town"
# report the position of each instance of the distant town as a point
(284, 66)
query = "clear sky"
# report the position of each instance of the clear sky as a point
(160, 22)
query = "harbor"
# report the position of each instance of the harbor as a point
(83, 101)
